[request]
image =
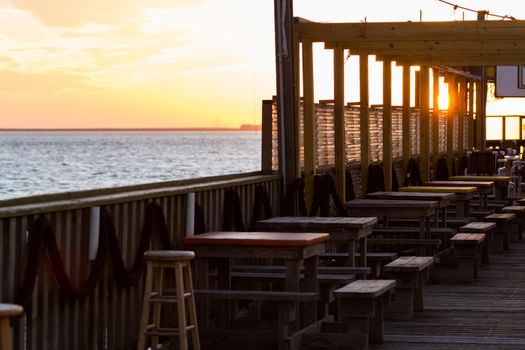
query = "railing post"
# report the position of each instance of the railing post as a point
(267, 137)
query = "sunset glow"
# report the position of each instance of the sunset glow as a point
(170, 63)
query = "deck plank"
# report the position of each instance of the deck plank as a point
(488, 314)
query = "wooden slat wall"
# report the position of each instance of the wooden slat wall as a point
(442, 131)
(325, 140)
(397, 132)
(414, 131)
(108, 318)
(353, 137)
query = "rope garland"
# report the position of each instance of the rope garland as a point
(42, 235)
(324, 189)
(294, 194)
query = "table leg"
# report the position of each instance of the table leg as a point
(362, 252)
(351, 254)
(202, 282)
(436, 218)
(310, 285)
(444, 217)
(460, 206)
(466, 207)
(292, 284)
(224, 282)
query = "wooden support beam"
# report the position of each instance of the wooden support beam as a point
(297, 129)
(266, 144)
(452, 110)
(406, 117)
(339, 120)
(435, 118)
(478, 123)
(309, 122)
(424, 137)
(417, 89)
(387, 124)
(364, 117)
(471, 114)
(462, 100)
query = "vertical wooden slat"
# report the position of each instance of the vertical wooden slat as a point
(435, 117)
(461, 115)
(424, 137)
(339, 120)
(266, 136)
(309, 121)
(387, 123)
(297, 98)
(471, 114)
(406, 116)
(417, 89)
(452, 108)
(364, 124)
(479, 107)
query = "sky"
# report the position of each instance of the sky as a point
(171, 63)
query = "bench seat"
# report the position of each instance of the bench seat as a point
(468, 248)
(503, 228)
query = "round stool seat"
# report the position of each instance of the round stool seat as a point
(10, 310)
(169, 255)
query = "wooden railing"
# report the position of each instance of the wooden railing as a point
(106, 318)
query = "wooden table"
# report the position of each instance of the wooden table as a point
(443, 199)
(484, 187)
(343, 230)
(395, 209)
(501, 183)
(296, 249)
(463, 195)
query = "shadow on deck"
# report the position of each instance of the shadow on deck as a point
(487, 314)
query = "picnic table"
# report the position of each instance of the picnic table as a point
(296, 249)
(501, 183)
(344, 230)
(484, 187)
(443, 199)
(463, 195)
(396, 209)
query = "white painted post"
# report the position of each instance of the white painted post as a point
(94, 231)
(190, 214)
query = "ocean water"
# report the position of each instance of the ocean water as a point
(49, 162)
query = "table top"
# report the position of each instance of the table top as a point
(390, 203)
(481, 178)
(256, 239)
(320, 223)
(479, 184)
(451, 189)
(422, 196)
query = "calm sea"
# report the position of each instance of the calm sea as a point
(50, 162)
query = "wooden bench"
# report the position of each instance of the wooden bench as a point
(442, 233)
(411, 273)
(503, 227)
(361, 308)
(482, 227)
(375, 260)
(520, 218)
(467, 250)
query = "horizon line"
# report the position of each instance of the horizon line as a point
(242, 128)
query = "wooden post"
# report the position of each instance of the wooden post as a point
(309, 121)
(364, 117)
(435, 117)
(339, 120)
(424, 136)
(461, 115)
(406, 116)
(266, 137)
(471, 114)
(387, 123)
(478, 115)
(452, 108)
(286, 98)
(417, 90)
(297, 106)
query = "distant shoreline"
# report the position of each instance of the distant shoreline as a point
(255, 128)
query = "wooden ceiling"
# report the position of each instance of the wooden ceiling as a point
(461, 43)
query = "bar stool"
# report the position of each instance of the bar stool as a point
(157, 262)
(7, 311)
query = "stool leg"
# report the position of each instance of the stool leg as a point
(181, 307)
(188, 282)
(145, 307)
(159, 285)
(5, 335)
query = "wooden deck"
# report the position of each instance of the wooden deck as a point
(487, 314)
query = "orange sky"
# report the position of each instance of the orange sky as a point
(167, 63)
